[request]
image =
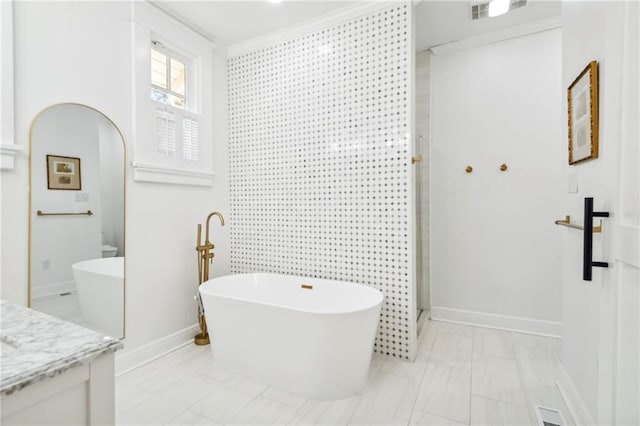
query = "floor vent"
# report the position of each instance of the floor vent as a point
(549, 417)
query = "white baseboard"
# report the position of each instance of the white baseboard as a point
(502, 322)
(52, 289)
(128, 360)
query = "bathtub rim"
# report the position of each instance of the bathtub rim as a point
(379, 295)
(80, 266)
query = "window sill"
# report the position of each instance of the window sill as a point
(157, 173)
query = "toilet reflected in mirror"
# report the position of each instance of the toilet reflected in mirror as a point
(76, 256)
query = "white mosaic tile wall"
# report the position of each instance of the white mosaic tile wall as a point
(320, 135)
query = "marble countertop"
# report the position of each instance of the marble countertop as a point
(35, 346)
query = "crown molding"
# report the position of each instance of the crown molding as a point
(329, 19)
(497, 36)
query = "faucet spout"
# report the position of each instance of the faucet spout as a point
(208, 219)
(219, 217)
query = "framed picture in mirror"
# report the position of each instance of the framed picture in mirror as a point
(63, 172)
(583, 115)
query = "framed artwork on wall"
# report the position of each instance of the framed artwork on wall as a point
(583, 115)
(63, 172)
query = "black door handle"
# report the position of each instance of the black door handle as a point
(587, 248)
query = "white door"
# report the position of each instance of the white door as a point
(619, 375)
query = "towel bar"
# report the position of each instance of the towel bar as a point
(567, 222)
(87, 213)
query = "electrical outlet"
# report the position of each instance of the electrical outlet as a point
(46, 264)
(82, 196)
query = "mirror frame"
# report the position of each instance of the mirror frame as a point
(124, 195)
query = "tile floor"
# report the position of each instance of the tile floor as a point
(462, 375)
(64, 306)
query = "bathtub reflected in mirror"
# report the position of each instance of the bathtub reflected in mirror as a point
(76, 223)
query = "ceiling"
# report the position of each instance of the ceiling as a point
(437, 21)
(230, 22)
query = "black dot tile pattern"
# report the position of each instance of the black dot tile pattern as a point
(319, 161)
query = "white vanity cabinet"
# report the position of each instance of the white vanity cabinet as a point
(53, 372)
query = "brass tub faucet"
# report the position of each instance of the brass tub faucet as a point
(205, 258)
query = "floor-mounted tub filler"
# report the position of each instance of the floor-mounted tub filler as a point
(308, 336)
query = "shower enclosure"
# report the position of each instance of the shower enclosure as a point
(421, 140)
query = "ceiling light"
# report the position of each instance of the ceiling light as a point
(490, 8)
(498, 7)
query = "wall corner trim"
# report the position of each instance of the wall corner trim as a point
(185, 22)
(156, 173)
(154, 15)
(128, 360)
(8, 153)
(576, 406)
(497, 36)
(501, 322)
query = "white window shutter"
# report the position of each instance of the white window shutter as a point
(166, 132)
(190, 142)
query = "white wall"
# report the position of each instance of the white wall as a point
(6, 80)
(495, 257)
(79, 52)
(69, 131)
(112, 163)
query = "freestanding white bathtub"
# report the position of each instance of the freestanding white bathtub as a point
(308, 336)
(100, 286)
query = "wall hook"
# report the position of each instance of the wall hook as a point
(503, 167)
(469, 169)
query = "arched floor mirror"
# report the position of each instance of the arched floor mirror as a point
(77, 217)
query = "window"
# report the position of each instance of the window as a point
(166, 132)
(177, 130)
(190, 139)
(172, 100)
(176, 126)
(168, 77)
